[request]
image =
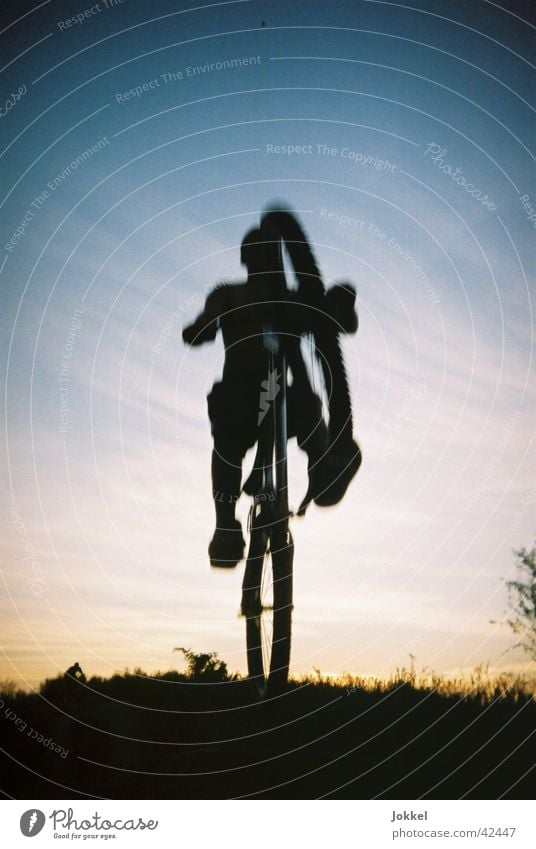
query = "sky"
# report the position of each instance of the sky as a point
(139, 143)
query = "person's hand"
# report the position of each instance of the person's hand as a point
(189, 334)
(340, 306)
(197, 333)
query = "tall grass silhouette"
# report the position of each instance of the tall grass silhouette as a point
(200, 733)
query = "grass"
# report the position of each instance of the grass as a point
(479, 686)
(201, 734)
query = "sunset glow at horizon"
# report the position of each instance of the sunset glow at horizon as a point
(145, 145)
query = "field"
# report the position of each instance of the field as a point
(201, 734)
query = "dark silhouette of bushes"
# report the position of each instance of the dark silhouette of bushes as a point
(202, 734)
(204, 666)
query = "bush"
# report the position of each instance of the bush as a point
(522, 598)
(205, 666)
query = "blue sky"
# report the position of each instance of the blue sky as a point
(107, 446)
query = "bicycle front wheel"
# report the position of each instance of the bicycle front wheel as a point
(267, 606)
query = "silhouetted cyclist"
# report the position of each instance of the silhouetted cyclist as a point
(75, 672)
(246, 313)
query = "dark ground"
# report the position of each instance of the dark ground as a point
(171, 737)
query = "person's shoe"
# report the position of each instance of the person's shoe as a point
(226, 548)
(337, 470)
(253, 484)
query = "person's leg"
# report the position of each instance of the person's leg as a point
(233, 416)
(331, 465)
(337, 469)
(227, 546)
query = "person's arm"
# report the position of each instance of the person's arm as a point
(206, 325)
(340, 305)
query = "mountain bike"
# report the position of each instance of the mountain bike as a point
(267, 585)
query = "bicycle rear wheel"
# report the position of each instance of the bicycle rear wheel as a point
(267, 606)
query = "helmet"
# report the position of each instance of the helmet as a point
(251, 248)
(260, 250)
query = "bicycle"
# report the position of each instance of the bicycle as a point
(267, 585)
(333, 455)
